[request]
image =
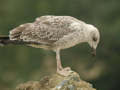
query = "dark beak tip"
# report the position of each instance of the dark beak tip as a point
(93, 53)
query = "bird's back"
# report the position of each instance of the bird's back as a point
(46, 29)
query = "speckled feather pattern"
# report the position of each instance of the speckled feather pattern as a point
(55, 31)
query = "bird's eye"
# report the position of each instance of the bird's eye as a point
(94, 39)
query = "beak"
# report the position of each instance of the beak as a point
(93, 52)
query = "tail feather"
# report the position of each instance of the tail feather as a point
(3, 40)
(4, 37)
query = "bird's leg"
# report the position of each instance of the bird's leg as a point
(59, 64)
(60, 69)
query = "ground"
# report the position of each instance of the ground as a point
(57, 82)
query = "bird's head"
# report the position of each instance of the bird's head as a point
(94, 37)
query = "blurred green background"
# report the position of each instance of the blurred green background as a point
(19, 64)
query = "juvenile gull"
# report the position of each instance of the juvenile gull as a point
(54, 33)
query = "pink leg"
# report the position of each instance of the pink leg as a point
(60, 69)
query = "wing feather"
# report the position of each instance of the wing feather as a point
(46, 29)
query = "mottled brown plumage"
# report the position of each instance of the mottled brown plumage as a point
(56, 33)
(46, 30)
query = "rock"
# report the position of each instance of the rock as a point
(57, 82)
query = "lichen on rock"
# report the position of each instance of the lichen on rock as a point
(57, 82)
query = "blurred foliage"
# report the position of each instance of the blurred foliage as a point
(20, 63)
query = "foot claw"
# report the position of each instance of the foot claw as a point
(67, 69)
(64, 72)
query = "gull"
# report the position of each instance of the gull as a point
(54, 33)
